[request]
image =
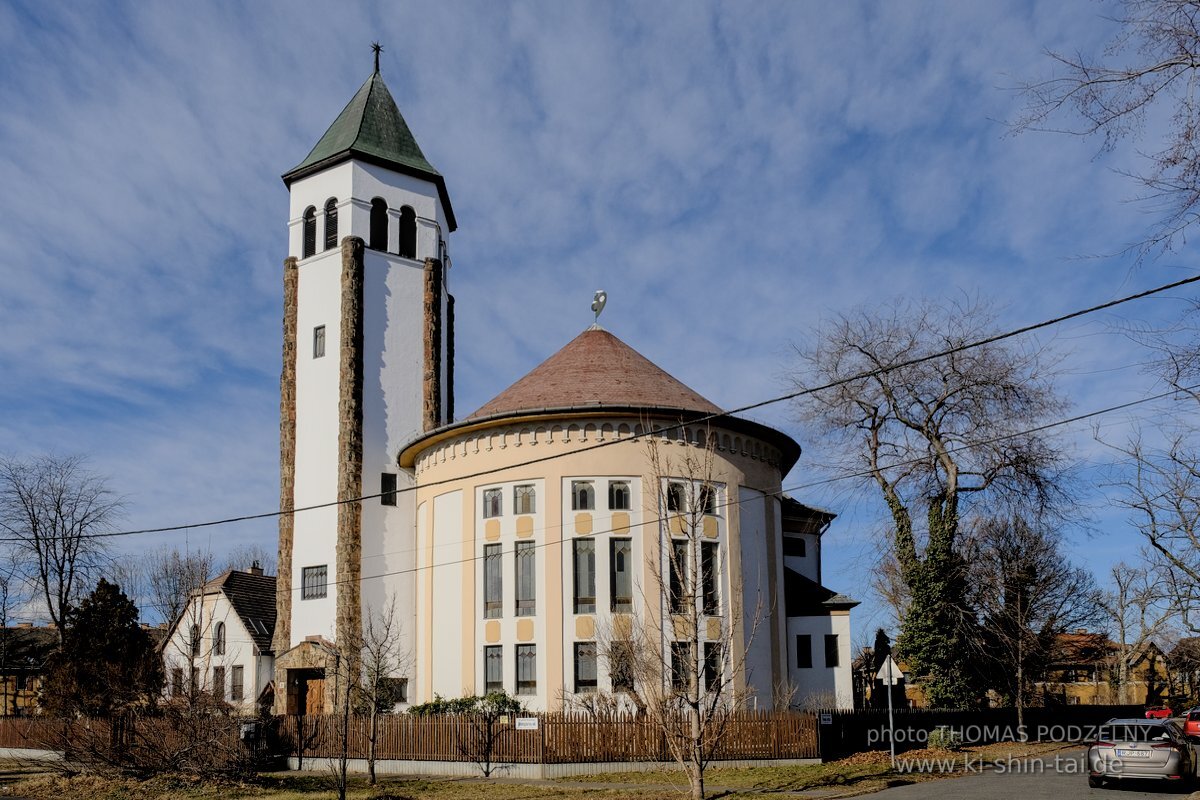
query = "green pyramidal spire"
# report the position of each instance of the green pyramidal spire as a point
(371, 129)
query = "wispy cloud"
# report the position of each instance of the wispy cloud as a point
(730, 174)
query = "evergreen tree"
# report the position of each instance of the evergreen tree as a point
(107, 664)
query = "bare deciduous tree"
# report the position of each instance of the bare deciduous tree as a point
(52, 508)
(173, 577)
(1162, 492)
(385, 666)
(1153, 60)
(683, 662)
(932, 437)
(1141, 608)
(245, 556)
(1028, 595)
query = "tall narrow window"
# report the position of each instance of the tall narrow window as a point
(310, 232)
(493, 669)
(331, 223)
(526, 669)
(408, 232)
(218, 683)
(803, 651)
(195, 643)
(319, 341)
(620, 566)
(709, 573)
(177, 681)
(526, 567)
(237, 683)
(618, 495)
(712, 666)
(707, 499)
(675, 497)
(678, 555)
(219, 639)
(585, 666)
(314, 582)
(583, 496)
(831, 650)
(524, 499)
(379, 225)
(620, 666)
(493, 590)
(493, 500)
(387, 488)
(681, 665)
(585, 576)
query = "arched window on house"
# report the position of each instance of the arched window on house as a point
(195, 643)
(219, 639)
(310, 232)
(331, 223)
(408, 232)
(379, 225)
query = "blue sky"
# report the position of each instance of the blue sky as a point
(730, 173)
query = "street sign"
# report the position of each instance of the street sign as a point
(826, 718)
(890, 672)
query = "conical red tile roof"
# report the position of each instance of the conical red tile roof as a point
(595, 369)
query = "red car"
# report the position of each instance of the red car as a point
(1158, 712)
(1191, 723)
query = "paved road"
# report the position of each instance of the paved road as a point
(1056, 777)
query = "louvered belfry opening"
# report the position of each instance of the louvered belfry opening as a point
(310, 231)
(331, 233)
(379, 225)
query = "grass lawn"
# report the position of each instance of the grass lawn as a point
(859, 774)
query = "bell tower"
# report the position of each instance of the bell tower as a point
(368, 355)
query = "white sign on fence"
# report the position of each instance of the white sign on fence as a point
(527, 723)
(826, 719)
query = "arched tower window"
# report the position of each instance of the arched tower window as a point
(310, 232)
(379, 224)
(408, 232)
(331, 223)
(219, 639)
(195, 642)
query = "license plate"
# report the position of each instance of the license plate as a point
(1133, 753)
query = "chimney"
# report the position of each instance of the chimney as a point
(255, 569)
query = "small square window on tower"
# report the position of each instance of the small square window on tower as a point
(387, 488)
(319, 341)
(313, 582)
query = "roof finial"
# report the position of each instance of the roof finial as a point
(598, 301)
(377, 49)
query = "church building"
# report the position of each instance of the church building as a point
(595, 511)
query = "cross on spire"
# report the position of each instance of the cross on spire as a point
(377, 49)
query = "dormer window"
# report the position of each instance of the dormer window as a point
(331, 233)
(408, 232)
(310, 232)
(379, 225)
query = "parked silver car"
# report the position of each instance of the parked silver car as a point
(1139, 748)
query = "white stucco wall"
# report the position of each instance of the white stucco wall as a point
(446, 553)
(820, 684)
(757, 583)
(319, 303)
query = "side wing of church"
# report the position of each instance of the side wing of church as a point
(596, 511)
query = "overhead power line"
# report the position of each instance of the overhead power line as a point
(784, 490)
(672, 427)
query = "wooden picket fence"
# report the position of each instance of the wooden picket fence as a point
(557, 739)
